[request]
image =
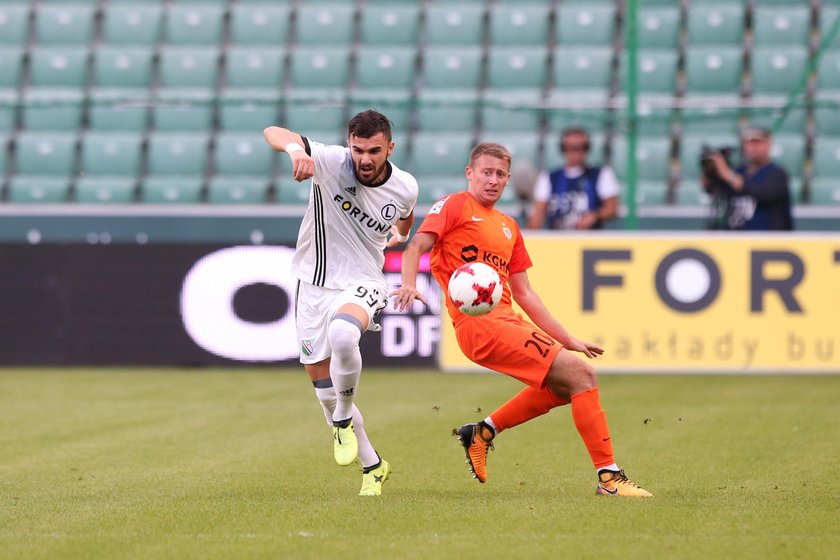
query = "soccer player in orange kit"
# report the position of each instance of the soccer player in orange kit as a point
(466, 227)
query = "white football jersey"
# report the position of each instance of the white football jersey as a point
(345, 229)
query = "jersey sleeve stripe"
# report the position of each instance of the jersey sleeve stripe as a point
(320, 238)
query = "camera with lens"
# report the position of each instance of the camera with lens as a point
(707, 165)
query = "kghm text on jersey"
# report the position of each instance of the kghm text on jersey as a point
(363, 217)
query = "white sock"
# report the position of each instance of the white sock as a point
(612, 467)
(489, 422)
(346, 363)
(326, 396)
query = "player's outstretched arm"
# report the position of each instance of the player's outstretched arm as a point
(407, 292)
(531, 303)
(284, 140)
(401, 230)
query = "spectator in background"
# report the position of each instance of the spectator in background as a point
(577, 196)
(755, 196)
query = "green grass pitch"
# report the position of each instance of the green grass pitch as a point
(215, 463)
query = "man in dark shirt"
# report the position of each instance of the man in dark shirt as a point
(756, 193)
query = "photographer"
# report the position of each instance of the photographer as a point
(755, 196)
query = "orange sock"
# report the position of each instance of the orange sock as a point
(591, 423)
(529, 403)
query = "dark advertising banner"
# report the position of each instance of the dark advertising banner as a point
(177, 305)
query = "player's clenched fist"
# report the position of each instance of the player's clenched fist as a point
(303, 166)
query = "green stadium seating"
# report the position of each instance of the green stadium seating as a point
(827, 16)
(4, 155)
(55, 96)
(516, 78)
(659, 27)
(782, 26)
(315, 67)
(827, 116)
(718, 24)
(794, 121)
(255, 67)
(247, 110)
(171, 190)
(11, 66)
(450, 80)
(45, 153)
(292, 193)
(105, 190)
(384, 79)
(827, 159)
(585, 24)
(115, 109)
(323, 24)
(122, 67)
(454, 24)
(263, 24)
(237, 190)
(71, 24)
(523, 146)
(828, 73)
(691, 193)
(778, 70)
(13, 24)
(192, 24)
(444, 109)
(653, 158)
(648, 193)
(254, 78)
(188, 77)
(713, 69)
(657, 71)
(825, 191)
(435, 187)
(520, 23)
(132, 24)
(111, 154)
(448, 68)
(181, 154)
(242, 154)
(582, 72)
(38, 189)
(788, 150)
(390, 25)
(439, 153)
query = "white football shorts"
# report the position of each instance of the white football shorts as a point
(317, 306)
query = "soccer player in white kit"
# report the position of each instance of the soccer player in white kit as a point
(359, 204)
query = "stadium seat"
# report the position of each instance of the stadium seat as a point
(317, 95)
(657, 71)
(825, 191)
(585, 24)
(522, 23)
(438, 153)
(523, 146)
(454, 24)
(324, 24)
(45, 153)
(516, 79)
(716, 24)
(131, 24)
(188, 78)
(13, 24)
(105, 190)
(659, 27)
(691, 193)
(4, 155)
(111, 154)
(54, 98)
(255, 67)
(653, 159)
(193, 24)
(11, 68)
(247, 110)
(292, 193)
(828, 74)
(26, 189)
(450, 80)
(794, 121)
(122, 67)
(253, 87)
(827, 16)
(390, 25)
(263, 24)
(385, 79)
(237, 190)
(827, 158)
(582, 73)
(778, 70)
(242, 154)
(711, 69)
(171, 190)
(70, 24)
(435, 187)
(788, 150)
(120, 95)
(827, 116)
(314, 67)
(779, 26)
(181, 154)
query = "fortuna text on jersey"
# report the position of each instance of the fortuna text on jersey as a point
(363, 217)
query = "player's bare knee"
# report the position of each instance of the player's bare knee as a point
(344, 333)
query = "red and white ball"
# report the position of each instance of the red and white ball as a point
(475, 288)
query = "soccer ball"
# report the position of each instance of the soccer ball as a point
(475, 288)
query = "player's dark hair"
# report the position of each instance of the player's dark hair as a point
(490, 149)
(368, 124)
(574, 131)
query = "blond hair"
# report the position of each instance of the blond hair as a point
(490, 149)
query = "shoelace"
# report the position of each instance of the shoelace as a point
(621, 478)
